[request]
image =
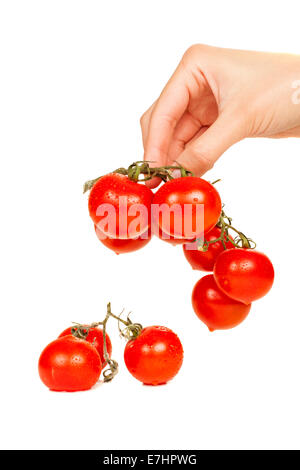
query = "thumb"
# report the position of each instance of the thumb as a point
(202, 153)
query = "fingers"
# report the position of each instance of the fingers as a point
(145, 121)
(183, 124)
(202, 153)
(159, 125)
(159, 122)
(153, 183)
(186, 129)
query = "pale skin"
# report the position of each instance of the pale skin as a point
(217, 97)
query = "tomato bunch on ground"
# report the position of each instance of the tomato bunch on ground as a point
(74, 361)
(184, 211)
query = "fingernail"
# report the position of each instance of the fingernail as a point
(176, 173)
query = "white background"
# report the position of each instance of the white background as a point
(75, 78)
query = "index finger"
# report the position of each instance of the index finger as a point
(168, 110)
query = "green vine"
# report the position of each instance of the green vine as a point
(225, 224)
(136, 169)
(131, 331)
(81, 331)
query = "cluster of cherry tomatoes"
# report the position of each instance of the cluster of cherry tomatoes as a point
(124, 216)
(75, 360)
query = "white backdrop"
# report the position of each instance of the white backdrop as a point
(75, 78)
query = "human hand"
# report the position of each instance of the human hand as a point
(217, 97)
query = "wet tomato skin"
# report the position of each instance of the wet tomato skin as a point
(205, 260)
(94, 337)
(156, 230)
(155, 356)
(126, 245)
(188, 191)
(113, 188)
(216, 309)
(243, 274)
(69, 364)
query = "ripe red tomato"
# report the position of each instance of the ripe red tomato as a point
(69, 364)
(155, 356)
(243, 274)
(186, 195)
(126, 245)
(214, 308)
(166, 238)
(95, 337)
(205, 260)
(120, 207)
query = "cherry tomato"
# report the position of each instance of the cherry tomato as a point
(120, 207)
(166, 238)
(214, 308)
(155, 356)
(126, 245)
(186, 195)
(243, 274)
(69, 364)
(205, 260)
(95, 337)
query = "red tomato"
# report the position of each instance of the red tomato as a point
(244, 275)
(69, 364)
(166, 238)
(205, 260)
(155, 356)
(214, 308)
(187, 195)
(120, 207)
(127, 245)
(95, 337)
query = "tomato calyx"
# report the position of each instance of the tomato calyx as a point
(131, 330)
(136, 169)
(225, 224)
(81, 331)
